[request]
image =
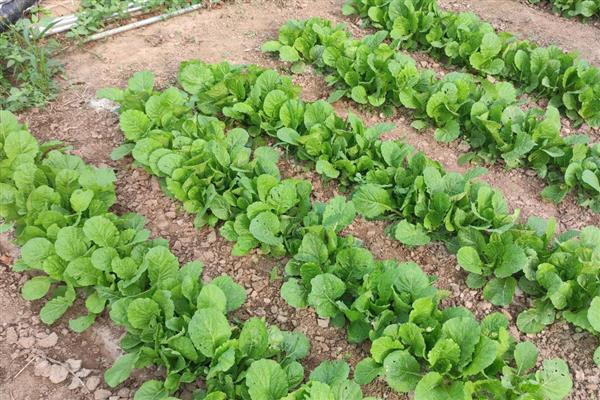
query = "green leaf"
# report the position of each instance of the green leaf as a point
(366, 371)
(312, 250)
(70, 243)
(211, 296)
(288, 54)
(526, 354)
(80, 199)
(162, 265)
(535, 319)
(134, 124)
(151, 390)
(35, 251)
(556, 382)
(122, 151)
(465, 332)
(208, 329)
(469, 260)
(371, 200)
(236, 294)
(410, 234)
(254, 338)
(270, 46)
(54, 309)
(330, 372)
(326, 289)
(591, 179)
(593, 313)
(500, 291)
(80, 324)
(483, 357)
(143, 313)
(288, 135)
(432, 387)
(514, 260)
(265, 227)
(36, 288)
(266, 380)
(338, 213)
(121, 369)
(402, 371)
(101, 231)
(142, 81)
(294, 293)
(324, 167)
(359, 95)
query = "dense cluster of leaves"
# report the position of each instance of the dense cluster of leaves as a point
(394, 182)
(95, 14)
(571, 83)
(574, 8)
(487, 115)
(331, 273)
(27, 68)
(59, 206)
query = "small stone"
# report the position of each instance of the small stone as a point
(48, 341)
(92, 382)
(114, 398)
(83, 373)
(26, 342)
(124, 392)
(211, 237)
(102, 394)
(75, 383)
(42, 368)
(323, 322)
(11, 336)
(75, 365)
(58, 373)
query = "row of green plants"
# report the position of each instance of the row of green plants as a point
(78, 251)
(574, 8)
(390, 181)
(27, 67)
(486, 115)
(462, 38)
(221, 177)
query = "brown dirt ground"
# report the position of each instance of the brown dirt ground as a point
(234, 32)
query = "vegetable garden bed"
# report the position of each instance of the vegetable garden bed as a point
(262, 173)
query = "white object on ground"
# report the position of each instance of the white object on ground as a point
(144, 22)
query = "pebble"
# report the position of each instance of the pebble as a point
(92, 382)
(75, 383)
(102, 394)
(11, 336)
(26, 342)
(42, 368)
(323, 322)
(58, 373)
(83, 373)
(75, 365)
(48, 341)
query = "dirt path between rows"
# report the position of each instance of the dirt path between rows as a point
(234, 32)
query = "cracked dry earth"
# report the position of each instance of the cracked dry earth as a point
(40, 362)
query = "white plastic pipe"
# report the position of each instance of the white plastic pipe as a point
(65, 23)
(144, 22)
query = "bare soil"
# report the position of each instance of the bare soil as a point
(32, 354)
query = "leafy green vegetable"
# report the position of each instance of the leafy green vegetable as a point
(486, 115)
